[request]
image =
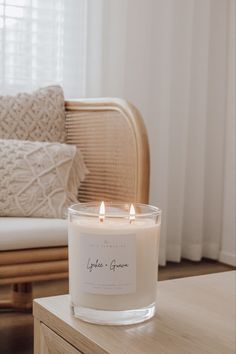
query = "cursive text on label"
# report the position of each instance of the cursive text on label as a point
(113, 266)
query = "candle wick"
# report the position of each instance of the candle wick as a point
(101, 218)
(102, 212)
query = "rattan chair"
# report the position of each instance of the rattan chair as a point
(111, 134)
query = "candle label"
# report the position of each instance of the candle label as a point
(107, 264)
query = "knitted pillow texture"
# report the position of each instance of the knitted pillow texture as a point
(39, 116)
(39, 179)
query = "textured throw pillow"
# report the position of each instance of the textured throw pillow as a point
(39, 179)
(39, 116)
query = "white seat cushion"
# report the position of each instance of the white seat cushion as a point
(21, 233)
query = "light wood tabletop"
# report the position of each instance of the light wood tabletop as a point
(195, 315)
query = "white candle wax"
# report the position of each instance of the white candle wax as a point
(90, 262)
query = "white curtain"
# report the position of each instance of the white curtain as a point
(43, 42)
(175, 60)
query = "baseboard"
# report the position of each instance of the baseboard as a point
(228, 258)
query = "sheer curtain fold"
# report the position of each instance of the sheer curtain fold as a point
(43, 42)
(173, 60)
(228, 242)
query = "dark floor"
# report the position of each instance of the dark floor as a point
(16, 329)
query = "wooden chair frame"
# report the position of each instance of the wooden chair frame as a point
(94, 125)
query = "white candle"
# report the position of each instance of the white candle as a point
(113, 262)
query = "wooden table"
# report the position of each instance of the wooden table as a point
(195, 315)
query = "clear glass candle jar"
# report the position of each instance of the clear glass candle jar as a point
(113, 262)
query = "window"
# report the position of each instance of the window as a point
(43, 42)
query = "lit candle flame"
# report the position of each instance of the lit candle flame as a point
(131, 213)
(102, 212)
